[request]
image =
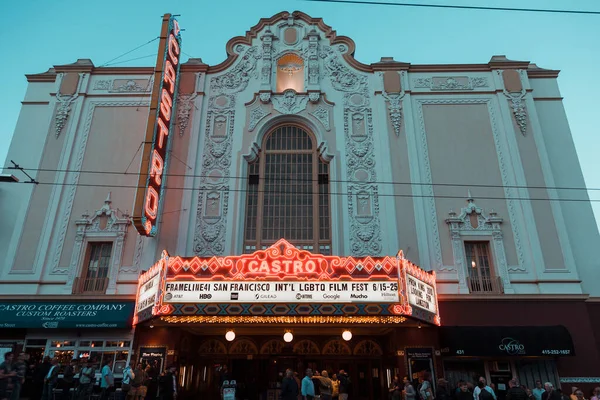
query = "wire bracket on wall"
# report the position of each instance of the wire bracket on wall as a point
(18, 167)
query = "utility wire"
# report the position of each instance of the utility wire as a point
(486, 8)
(130, 51)
(131, 59)
(469, 185)
(295, 192)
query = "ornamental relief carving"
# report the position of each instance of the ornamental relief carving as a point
(289, 102)
(185, 103)
(441, 83)
(213, 195)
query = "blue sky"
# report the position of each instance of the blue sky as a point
(38, 34)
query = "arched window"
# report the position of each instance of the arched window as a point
(288, 193)
(290, 73)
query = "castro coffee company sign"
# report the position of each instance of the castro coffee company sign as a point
(281, 292)
(162, 107)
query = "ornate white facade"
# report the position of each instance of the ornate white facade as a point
(405, 144)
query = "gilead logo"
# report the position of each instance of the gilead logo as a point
(511, 346)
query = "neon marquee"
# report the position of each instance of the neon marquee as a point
(151, 179)
(293, 282)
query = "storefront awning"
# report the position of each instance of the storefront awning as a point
(506, 341)
(66, 314)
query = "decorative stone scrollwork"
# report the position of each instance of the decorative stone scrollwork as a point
(322, 115)
(185, 103)
(273, 346)
(103, 85)
(243, 346)
(337, 347)
(267, 50)
(289, 102)
(306, 347)
(237, 79)
(363, 198)
(104, 224)
(313, 57)
(62, 112)
(212, 346)
(473, 222)
(395, 110)
(442, 83)
(367, 348)
(517, 103)
(255, 116)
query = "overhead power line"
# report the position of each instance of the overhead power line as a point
(467, 185)
(485, 8)
(130, 51)
(309, 192)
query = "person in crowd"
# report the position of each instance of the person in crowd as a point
(40, 371)
(579, 394)
(596, 393)
(550, 393)
(298, 382)
(538, 391)
(482, 386)
(7, 375)
(344, 385)
(289, 386)
(530, 395)
(50, 380)
(86, 376)
(336, 387)
(107, 380)
(441, 390)
(128, 377)
(308, 388)
(464, 393)
(515, 392)
(573, 390)
(151, 383)
(317, 383)
(425, 389)
(458, 386)
(20, 369)
(68, 379)
(325, 385)
(395, 389)
(137, 390)
(168, 384)
(409, 392)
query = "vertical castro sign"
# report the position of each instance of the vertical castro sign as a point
(148, 200)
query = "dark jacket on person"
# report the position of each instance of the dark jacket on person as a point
(441, 393)
(460, 395)
(516, 393)
(289, 389)
(167, 386)
(553, 395)
(344, 383)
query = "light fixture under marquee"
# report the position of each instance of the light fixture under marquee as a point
(288, 336)
(347, 335)
(230, 335)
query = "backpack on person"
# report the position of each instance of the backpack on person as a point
(485, 395)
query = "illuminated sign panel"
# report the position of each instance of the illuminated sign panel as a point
(280, 291)
(283, 280)
(149, 194)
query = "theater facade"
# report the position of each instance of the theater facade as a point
(293, 207)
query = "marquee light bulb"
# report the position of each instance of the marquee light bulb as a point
(347, 335)
(288, 337)
(230, 336)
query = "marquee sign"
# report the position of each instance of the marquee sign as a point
(149, 193)
(285, 280)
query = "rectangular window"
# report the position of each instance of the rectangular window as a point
(94, 276)
(481, 277)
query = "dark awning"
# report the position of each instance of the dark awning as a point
(506, 341)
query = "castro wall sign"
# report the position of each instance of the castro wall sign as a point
(283, 280)
(154, 151)
(278, 292)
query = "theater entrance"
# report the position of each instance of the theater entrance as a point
(258, 364)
